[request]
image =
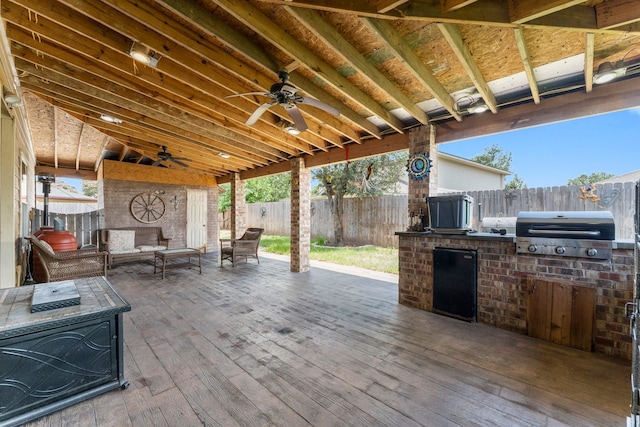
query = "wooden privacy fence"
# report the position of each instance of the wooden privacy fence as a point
(375, 220)
(83, 225)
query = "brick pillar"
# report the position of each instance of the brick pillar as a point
(422, 140)
(238, 207)
(300, 216)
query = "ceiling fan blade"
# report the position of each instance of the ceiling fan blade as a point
(258, 113)
(157, 162)
(318, 104)
(296, 116)
(176, 161)
(248, 93)
(181, 158)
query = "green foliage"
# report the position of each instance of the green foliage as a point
(372, 176)
(494, 156)
(369, 257)
(585, 179)
(90, 188)
(272, 188)
(364, 177)
(515, 183)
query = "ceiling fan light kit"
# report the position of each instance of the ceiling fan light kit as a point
(285, 95)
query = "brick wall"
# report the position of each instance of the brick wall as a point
(502, 283)
(117, 196)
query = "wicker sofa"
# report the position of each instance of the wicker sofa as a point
(68, 265)
(132, 243)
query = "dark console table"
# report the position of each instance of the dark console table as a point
(56, 358)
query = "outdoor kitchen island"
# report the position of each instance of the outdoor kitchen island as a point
(564, 294)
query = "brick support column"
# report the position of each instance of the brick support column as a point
(422, 140)
(300, 216)
(238, 207)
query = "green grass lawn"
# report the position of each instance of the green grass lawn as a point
(369, 257)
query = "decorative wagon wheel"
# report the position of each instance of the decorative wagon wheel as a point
(147, 207)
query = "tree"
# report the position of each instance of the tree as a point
(495, 157)
(589, 179)
(270, 188)
(365, 177)
(90, 188)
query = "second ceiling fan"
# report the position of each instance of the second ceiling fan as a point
(285, 94)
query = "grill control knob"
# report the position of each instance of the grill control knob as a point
(560, 250)
(532, 248)
(592, 252)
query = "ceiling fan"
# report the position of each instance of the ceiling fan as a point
(285, 94)
(163, 156)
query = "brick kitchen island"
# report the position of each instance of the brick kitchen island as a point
(504, 280)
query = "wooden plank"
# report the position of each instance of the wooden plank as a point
(539, 303)
(583, 318)
(561, 313)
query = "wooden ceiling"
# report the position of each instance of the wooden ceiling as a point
(386, 65)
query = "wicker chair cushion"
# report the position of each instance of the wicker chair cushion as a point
(147, 248)
(250, 235)
(121, 241)
(47, 246)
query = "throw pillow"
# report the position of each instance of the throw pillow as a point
(121, 240)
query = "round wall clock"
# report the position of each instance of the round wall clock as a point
(147, 207)
(419, 165)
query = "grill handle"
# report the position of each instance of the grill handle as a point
(574, 233)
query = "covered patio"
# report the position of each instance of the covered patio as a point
(260, 345)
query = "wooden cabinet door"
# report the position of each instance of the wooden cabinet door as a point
(561, 312)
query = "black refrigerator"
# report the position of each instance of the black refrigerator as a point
(455, 283)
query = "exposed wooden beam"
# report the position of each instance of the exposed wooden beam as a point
(449, 5)
(521, 11)
(589, 49)
(403, 51)
(385, 6)
(258, 22)
(614, 13)
(239, 43)
(79, 150)
(66, 172)
(482, 12)
(460, 48)
(325, 32)
(96, 166)
(607, 98)
(526, 62)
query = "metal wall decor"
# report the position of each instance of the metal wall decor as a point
(147, 207)
(419, 165)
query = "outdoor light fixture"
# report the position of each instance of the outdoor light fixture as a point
(608, 72)
(143, 54)
(292, 130)
(11, 99)
(224, 155)
(477, 106)
(110, 119)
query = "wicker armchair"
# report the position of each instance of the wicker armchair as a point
(68, 264)
(244, 247)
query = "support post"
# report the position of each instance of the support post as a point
(238, 207)
(300, 216)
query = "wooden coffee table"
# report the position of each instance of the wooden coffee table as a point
(174, 254)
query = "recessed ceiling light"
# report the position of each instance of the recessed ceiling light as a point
(144, 55)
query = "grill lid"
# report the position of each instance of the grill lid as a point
(594, 225)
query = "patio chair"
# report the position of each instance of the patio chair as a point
(244, 247)
(68, 264)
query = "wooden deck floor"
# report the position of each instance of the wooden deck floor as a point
(259, 346)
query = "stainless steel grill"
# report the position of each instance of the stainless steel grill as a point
(585, 234)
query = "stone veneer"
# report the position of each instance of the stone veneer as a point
(502, 282)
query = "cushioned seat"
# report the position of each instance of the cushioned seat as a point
(244, 247)
(69, 264)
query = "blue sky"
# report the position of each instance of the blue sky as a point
(550, 155)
